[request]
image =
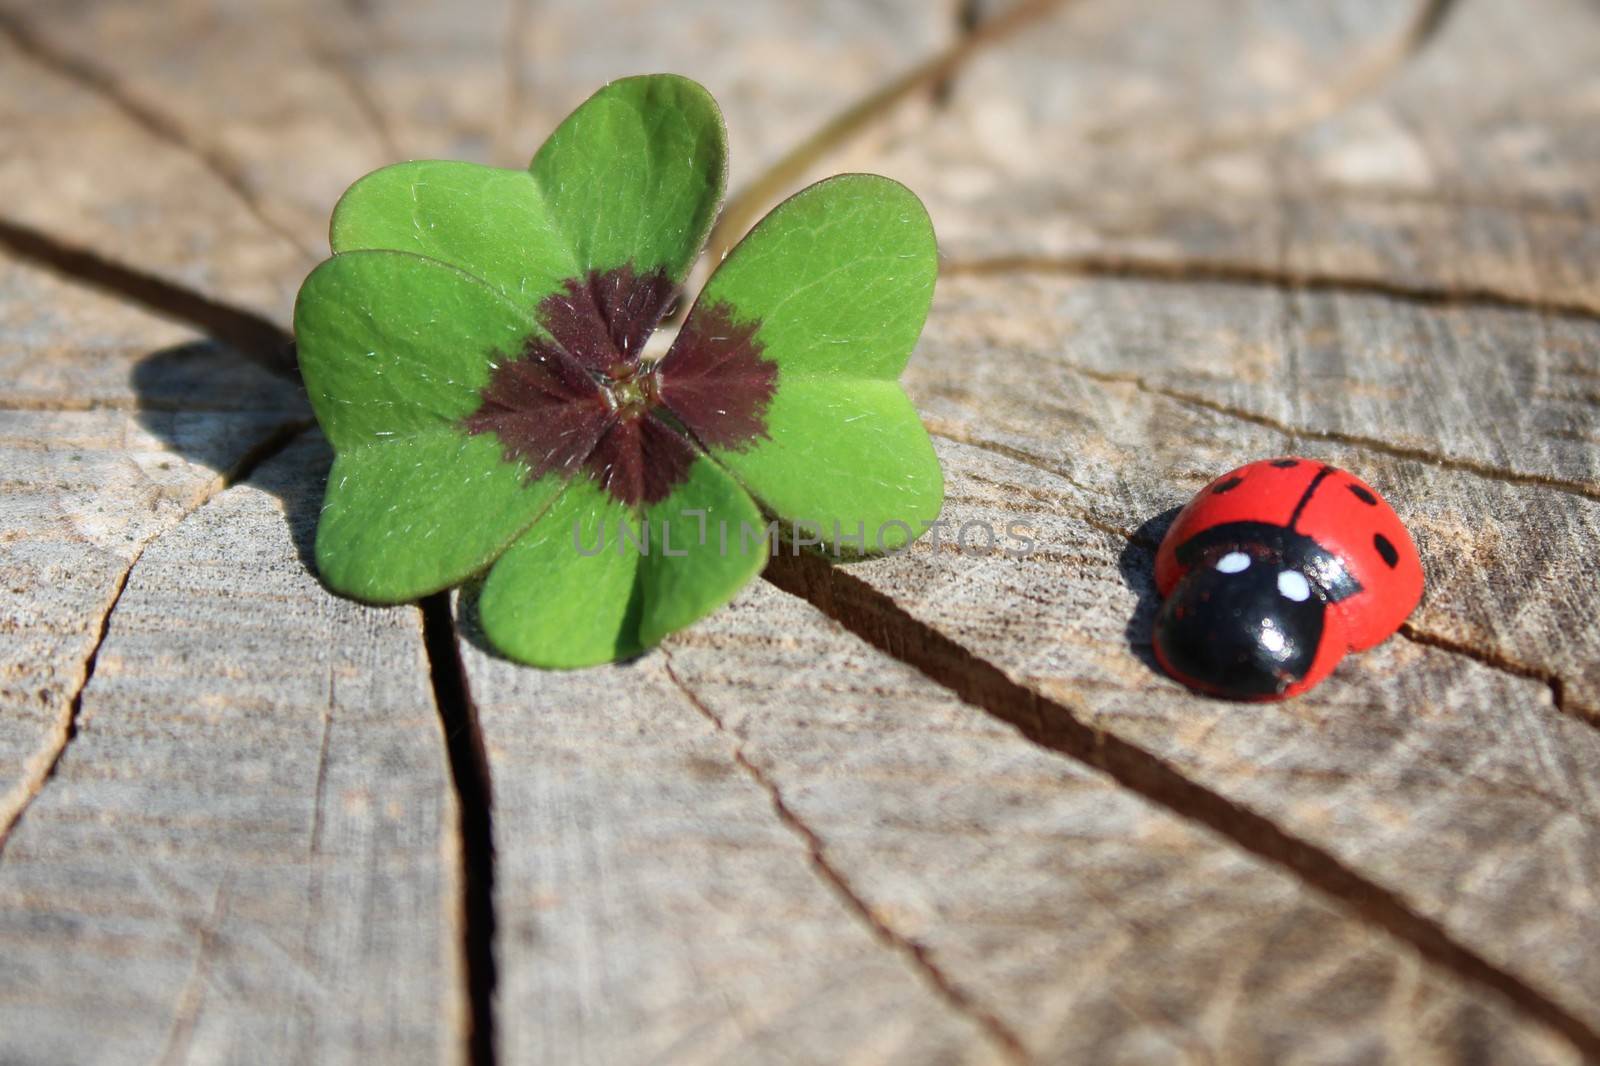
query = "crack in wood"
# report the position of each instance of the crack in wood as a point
(1460, 465)
(876, 618)
(164, 128)
(254, 336)
(319, 787)
(949, 432)
(1475, 467)
(469, 773)
(1495, 661)
(1044, 722)
(956, 997)
(192, 998)
(1195, 271)
(42, 766)
(44, 763)
(742, 209)
(1409, 630)
(315, 879)
(1524, 203)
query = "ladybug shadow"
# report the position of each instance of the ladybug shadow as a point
(1137, 564)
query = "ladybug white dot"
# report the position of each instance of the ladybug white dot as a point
(1293, 585)
(1233, 562)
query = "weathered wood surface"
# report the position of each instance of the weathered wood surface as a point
(854, 865)
(945, 811)
(265, 867)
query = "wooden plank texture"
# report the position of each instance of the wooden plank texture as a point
(1479, 423)
(935, 808)
(100, 459)
(249, 851)
(822, 855)
(1400, 770)
(1137, 137)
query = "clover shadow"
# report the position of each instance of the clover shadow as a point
(212, 407)
(1137, 564)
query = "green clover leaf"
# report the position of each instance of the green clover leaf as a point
(473, 353)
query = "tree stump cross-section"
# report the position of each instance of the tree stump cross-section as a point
(933, 808)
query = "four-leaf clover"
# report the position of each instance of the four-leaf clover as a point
(473, 352)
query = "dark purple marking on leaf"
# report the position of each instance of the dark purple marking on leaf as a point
(641, 460)
(603, 320)
(715, 381)
(581, 399)
(547, 411)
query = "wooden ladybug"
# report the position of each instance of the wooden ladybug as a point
(1273, 572)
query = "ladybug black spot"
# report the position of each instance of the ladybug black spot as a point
(1370, 500)
(1385, 549)
(1228, 485)
(1284, 464)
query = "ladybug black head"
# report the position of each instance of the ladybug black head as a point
(1247, 618)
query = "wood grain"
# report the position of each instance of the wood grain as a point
(248, 852)
(820, 854)
(313, 97)
(1398, 773)
(1479, 424)
(1469, 173)
(945, 812)
(97, 466)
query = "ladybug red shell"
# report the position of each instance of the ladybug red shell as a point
(1276, 570)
